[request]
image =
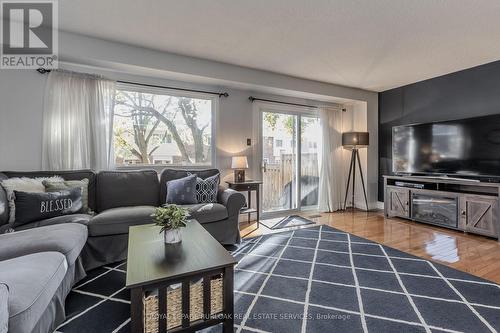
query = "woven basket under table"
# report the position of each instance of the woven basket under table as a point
(174, 305)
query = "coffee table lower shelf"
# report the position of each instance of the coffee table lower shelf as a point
(152, 314)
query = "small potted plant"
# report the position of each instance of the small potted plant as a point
(170, 218)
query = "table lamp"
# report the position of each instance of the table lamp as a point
(239, 164)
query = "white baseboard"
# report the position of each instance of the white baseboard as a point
(372, 205)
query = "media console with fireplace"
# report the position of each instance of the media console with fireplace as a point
(460, 204)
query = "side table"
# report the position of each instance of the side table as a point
(248, 186)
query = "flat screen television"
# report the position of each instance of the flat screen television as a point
(466, 147)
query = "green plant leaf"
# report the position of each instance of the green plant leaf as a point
(170, 217)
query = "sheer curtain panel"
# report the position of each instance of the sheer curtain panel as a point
(330, 171)
(77, 122)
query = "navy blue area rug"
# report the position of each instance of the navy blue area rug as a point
(318, 279)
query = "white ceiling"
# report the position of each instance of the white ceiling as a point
(369, 44)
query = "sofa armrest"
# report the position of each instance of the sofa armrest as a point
(231, 199)
(4, 308)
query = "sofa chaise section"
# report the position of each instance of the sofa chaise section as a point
(39, 266)
(30, 299)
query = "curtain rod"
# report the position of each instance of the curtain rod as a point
(223, 94)
(252, 99)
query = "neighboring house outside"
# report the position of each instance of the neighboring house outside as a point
(166, 153)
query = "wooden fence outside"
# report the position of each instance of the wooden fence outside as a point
(279, 180)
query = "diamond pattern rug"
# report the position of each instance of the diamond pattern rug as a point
(318, 279)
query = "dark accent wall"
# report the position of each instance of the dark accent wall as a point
(464, 94)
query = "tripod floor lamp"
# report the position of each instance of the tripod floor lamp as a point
(353, 141)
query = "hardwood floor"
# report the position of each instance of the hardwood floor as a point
(474, 254)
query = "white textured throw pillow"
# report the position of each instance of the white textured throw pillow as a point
(23, 184)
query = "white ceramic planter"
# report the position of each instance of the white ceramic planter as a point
(172, 236)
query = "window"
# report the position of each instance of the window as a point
(279, 143)
(159, 126)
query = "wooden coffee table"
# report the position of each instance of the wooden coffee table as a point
(153, 265)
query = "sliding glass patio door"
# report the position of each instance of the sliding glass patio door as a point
(279, 161)
(289, 146)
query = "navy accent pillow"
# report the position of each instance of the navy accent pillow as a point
(35, 206)
(206, 189)
(182, 191)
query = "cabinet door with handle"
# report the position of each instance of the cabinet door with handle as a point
(398, 200)
(479, 215)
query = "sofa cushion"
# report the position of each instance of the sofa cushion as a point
(73, 218)
(116, 221)
(66, 175)
(207, 212)
(32, 281)
(182, 191)
(67, 239)
(170, 174)
(127, 188)
(4, 308)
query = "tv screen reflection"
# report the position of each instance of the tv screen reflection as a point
(467, 147)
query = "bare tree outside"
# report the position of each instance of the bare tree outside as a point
(154, 128)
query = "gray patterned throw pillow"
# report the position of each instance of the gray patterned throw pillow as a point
(206, 189)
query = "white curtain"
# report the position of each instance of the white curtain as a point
(77, 122)
(331, 166)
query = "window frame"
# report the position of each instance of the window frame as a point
(176, 93)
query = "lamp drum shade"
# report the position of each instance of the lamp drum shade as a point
(239, 162)
(355, 139)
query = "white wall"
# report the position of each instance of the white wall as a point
(21, 97)
(21, 100)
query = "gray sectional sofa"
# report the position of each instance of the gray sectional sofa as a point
(42, 260)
